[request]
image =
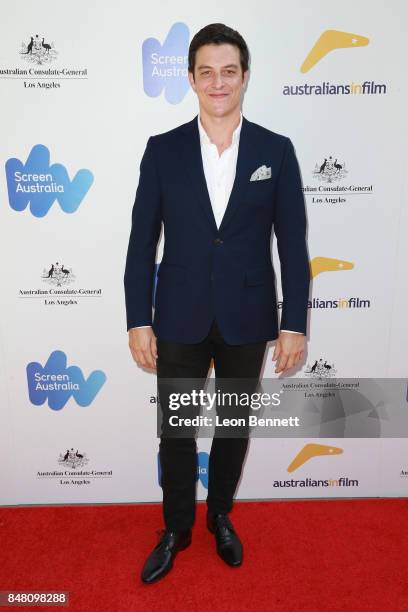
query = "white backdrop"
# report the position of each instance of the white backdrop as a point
(97, 115)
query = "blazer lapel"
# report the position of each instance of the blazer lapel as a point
(191, 151)
(245, 159)
(195, 170)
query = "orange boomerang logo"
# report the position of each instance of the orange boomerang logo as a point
(328, 264)
(313, 450)
(329, 41)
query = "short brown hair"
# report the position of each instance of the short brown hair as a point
(218, 34)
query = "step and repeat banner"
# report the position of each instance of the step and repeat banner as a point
(83, 86)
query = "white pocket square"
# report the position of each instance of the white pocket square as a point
(261, 174)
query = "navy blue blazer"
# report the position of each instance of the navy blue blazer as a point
(208, 272)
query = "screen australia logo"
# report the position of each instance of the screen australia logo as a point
(57, 383)
(165, 66)
(202, 468)
(38, 184)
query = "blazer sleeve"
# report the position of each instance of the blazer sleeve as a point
(290, 232)
(144, 236)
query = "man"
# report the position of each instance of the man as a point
(218, 183)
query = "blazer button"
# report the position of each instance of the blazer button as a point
(218, 241)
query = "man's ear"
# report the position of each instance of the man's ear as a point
(245, 79)
(191, 79)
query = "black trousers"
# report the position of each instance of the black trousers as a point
(178, 456)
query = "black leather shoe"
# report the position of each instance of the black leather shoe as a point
(160, 560)
(229, 545)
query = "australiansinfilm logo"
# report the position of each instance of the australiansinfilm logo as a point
(59, 287)
(38, 56)
(73, 469)
(331, 185)
(323, 264)
(334, 41)
(37, 185)
(310, 452)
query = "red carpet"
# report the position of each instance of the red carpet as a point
(299, 555)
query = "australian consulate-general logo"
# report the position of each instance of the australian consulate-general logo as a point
(330, 170)
(59, 290)
(37, 51)
(320, 369)
(39, 55)
(58, 275)
(73, 459)
(71, 470)
(329, 186)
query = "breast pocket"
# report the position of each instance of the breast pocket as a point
(260, 192)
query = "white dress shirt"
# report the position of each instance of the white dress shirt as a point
(219, 173)
(219, 170)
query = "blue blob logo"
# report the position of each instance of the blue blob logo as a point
(166, 66)
(57, 383)
(202, 468)
(38, 184)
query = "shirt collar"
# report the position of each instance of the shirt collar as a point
(204, 138)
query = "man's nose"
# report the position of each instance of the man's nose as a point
(218, 80)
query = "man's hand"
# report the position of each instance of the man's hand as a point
(289, 350)
(142, 344)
